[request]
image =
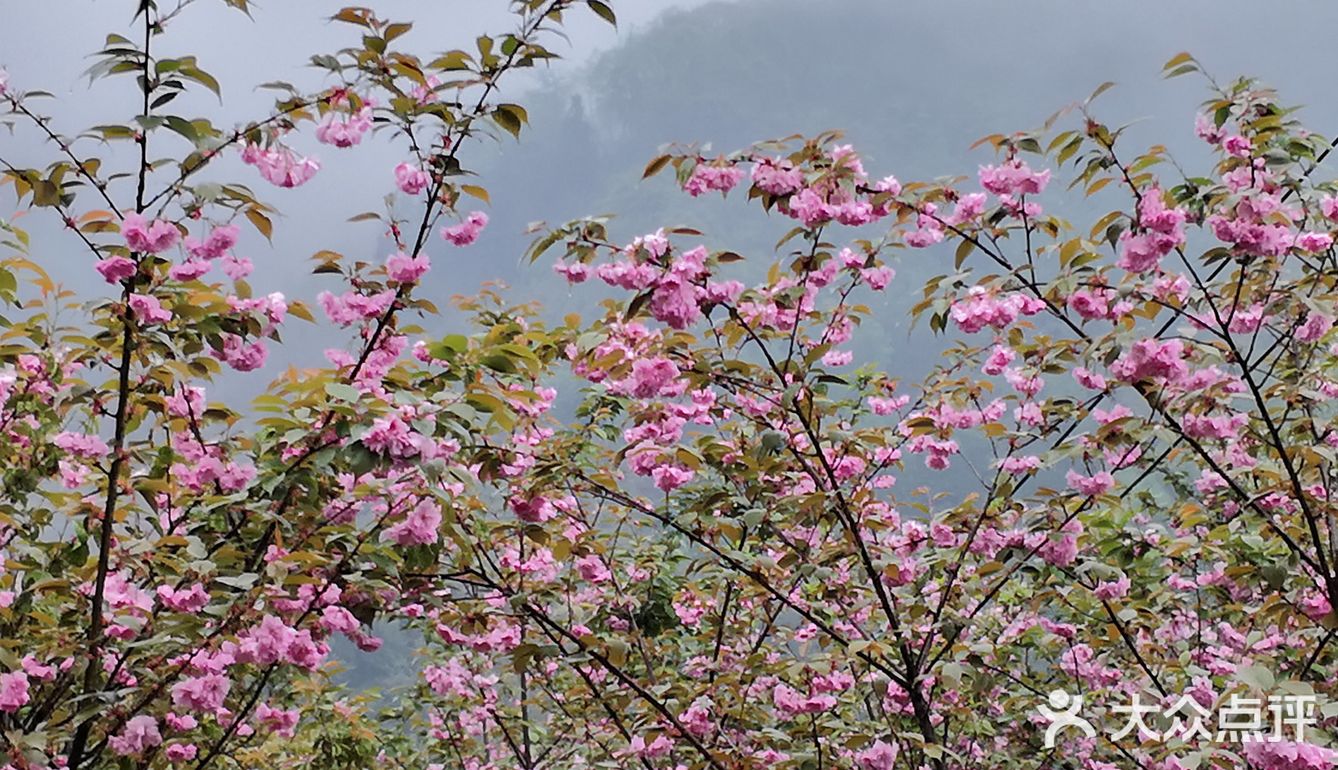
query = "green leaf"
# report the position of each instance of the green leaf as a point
(45, 193)
(1101, 89)
(964, 250)
(453, 60)
(114, 132)
(342, 392)
(511, 117)
(261, 222)
(603, 11)
(448, 347)
(8, 284)
(1257, 677)
(1177, 60)
(242, 581)
(356, 16)
(499, 361)
(203, 78)
(457, 342)
(655, 166)
(183, 127)
(773, 441)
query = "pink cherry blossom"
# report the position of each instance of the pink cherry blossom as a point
(777, 177)
(201, 693)
(282, 722)
(878, 278)
(574, 272)
(418, 528)
(1150, 358)
(879, 756)
(116, 269)
(1013, 178)
(1097, 484)
(405, 269)
(148, 309)
(148, 237)
(280, 166)
(187, 599)
(1207, 130)
(1089, 379)
(242, 355)
(235, 267)
(351, 306)
(1115, 589)
(138, 736)
(809, 207)
(1314, 242)
(178, 753)
(1288, 755)
(216, 244)
(1018, 465)
(13, 691)
(344, 130)
(82, 445)
(1238, 146)
(1328, 205)
(706, 178)
(651, 377)
(411, 179)
(671, 477)
(1316, 325)
(592, 568)
(190, 270)
(836, 358)
(467, 231)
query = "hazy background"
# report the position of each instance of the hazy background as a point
(912, 84)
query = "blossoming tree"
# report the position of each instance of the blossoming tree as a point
(706, 562)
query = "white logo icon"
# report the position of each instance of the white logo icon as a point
(1062, 713)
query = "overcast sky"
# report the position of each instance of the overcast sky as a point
(37, 38)
(44, 46)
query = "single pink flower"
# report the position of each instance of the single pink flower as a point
(467, 231)
(148, 237)
(148, 310)
(13, 691)
(115, 269)
(405, 269)
(411, 179)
